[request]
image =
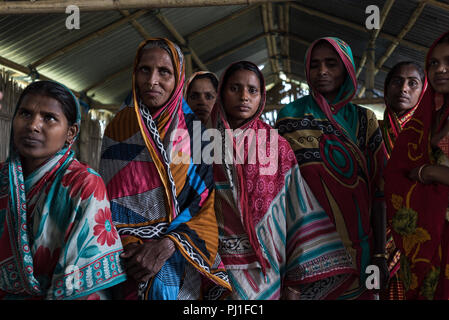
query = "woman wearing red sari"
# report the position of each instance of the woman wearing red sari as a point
(417, 186)
(404, 87)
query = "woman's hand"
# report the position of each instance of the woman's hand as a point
(421, 174)
(291, 293)
(144, 261)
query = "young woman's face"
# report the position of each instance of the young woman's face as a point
(438, 72)
(40, 129)
(201, 98)
(155, 77)
(404, 89)
(327, 72)
(241, 96)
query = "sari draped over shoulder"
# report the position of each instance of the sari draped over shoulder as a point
(157, 190)
(391, 127)
(341, 154)
(57, 240)
(273, 232)
(417, 212)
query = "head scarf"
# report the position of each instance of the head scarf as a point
(275, 209)
(417, 211)
(160, 148)
(341, 154)
(192, 77)
(245, 202)
(392, 123)
(60, 207)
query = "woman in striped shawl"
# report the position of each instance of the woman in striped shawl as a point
(161, 201)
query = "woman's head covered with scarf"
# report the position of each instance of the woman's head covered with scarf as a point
(200, 92)
(404, 88)
(46, 121)
(330, 73)
(414, 207)
(158, 75)
(240, 102)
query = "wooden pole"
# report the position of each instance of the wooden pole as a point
(170, 27)
(139, 28)
(375, 33)
(358, 27)
(22, 69)
(59, 6)
(414, 17)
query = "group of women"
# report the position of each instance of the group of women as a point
(346, 193)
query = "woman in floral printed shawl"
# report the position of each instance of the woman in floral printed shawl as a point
(417, 186)
(57, 240)
(276, 241)
(161, 199)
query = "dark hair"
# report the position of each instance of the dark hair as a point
(213, 79)
(56, 91)
(399, 65)
(242, 65)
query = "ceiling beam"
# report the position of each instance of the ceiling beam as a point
(438, 4)
(59, 6)
(139, 28)
(87, 38)
(181, 40)
(413, 18)
(375, 33)
(357, 27)
(271, 48)
(25, 70)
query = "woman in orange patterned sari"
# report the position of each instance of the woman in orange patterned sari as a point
(417, 186)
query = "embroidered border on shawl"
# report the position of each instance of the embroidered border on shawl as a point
(96, 274)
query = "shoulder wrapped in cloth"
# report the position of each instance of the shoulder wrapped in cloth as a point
(157, 190)
(273, 232)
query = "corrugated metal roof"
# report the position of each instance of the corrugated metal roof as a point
(25, 39)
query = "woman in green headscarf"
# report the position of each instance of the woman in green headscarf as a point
(341, 155)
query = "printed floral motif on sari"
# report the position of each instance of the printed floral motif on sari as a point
(104, 229)
(87, 181)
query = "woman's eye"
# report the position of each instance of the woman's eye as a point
(209, 97)
(144, 69)
(413, 84)
(165, 72)
(253, 90)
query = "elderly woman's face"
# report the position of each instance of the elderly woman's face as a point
(155, 77)
(439, 68)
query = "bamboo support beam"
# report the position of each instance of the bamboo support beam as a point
(180, 39)
(25, 70)
(59, 6)
(357, 27)
(375, 33)
(268, 39)
(87, 38)
(284, 18)
(413, 18)
(139, 28)
(435, 3)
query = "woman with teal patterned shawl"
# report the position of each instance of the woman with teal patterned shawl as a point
(341, 155)
(57, 240)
